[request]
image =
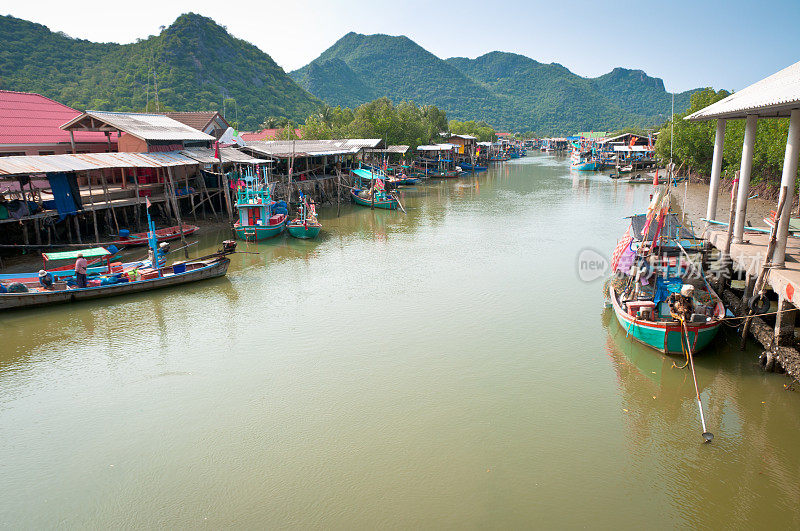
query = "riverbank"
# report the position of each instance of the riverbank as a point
(694, 198)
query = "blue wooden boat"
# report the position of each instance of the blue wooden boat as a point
(470, 167)
(591, 165)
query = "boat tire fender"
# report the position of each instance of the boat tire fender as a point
(759, 304)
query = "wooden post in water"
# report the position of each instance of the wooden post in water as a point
(177, 211)
(762, 275)
(108, 200)
(94, 211)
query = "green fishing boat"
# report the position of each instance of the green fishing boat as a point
(305, 226)
(659, 293)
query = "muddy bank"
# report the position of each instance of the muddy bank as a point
(696, 203)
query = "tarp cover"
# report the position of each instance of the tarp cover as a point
(670, 227)
(94, 252)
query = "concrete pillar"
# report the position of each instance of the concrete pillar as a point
(751, 122)
(789, 171)
(784, 323)
(716, 169)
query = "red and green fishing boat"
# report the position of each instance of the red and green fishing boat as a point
(659, 293)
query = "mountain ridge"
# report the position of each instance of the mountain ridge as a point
(511, 90)
(195, 61)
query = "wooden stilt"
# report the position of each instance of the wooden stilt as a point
(171, 195)
(108, 200)
(94, 211)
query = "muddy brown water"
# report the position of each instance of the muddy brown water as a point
(442, 369)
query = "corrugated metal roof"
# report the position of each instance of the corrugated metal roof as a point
(229, 154)
(773, 96)
(28, 118)
(312, 148)
(398, 149)
(140, 125)
(436, 147)
(24, 165)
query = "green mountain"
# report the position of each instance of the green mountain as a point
(195, 63)
(364, 67)
(508, 90)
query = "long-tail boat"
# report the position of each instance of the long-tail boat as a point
(138, 279)
(164, 235)
(305, 226)
(659, 293)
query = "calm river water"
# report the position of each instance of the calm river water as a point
(441, 369)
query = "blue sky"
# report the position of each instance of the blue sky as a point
(688, 44)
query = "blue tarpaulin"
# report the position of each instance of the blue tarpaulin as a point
(65, 190)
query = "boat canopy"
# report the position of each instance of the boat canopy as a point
(94, 252)
(362, 173)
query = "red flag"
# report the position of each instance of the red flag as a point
(216, 149)
(655, 179)
(147, 202)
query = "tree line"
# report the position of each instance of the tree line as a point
(693, 145)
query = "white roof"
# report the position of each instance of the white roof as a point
(436, 147)
(312, 148)
(465, 137)
(27, 164)
(141, 125)
(773, 96)
(632, 148)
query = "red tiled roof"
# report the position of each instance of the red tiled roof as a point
(28, 118)
(265, 134)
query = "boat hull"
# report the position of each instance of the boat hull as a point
(11, 301)
(304, 231)
(389, 204)
(665, 337)
(164, 235)
(256, 233)
(587, 166)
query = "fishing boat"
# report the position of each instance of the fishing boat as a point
(305, 226)
(164, 235)
(100, 261)
(584, 160)
(466, 166)
(138, 279)
(260, 217)
(405, 180)
(659, 294)
(373, 194)
(382, 199)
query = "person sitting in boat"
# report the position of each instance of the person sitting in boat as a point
(681, 305)
(45, 279)
(80, 270)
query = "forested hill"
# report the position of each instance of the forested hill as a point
(509, 91)
(196, 62)
(359, 68)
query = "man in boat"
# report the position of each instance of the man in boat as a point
(80, 270)
(45, 279)
(681, 305)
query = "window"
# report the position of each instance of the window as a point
(11, 153)
(47, 153)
